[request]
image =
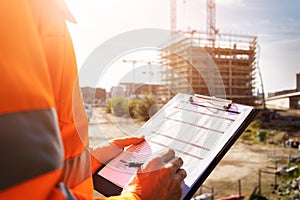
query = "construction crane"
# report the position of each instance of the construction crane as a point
(173, 13)
(211, 20)
(210, 17)
(150, 73)
(134, 62)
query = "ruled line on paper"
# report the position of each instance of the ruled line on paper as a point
(180, 140)
(196, 125)
(178, 150)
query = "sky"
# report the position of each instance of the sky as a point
(276, 23)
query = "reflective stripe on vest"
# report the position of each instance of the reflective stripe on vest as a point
(77, 169)
(30, 145)
(65, 191)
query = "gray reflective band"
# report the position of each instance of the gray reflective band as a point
(30, 145)
(65, 191)
(77, 169)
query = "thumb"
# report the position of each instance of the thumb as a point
(126, 141)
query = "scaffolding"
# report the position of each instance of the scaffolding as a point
(224, 66)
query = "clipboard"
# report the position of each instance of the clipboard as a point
(201, 130)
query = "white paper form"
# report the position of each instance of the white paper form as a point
(197, 129)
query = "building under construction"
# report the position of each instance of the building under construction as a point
(223, 66)
(209, 63)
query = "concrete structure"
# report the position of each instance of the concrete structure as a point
(286, 99)
(298, 82)
(93, 95)
(190, 67)
(284, 102)
(138, 90)
(116, 91)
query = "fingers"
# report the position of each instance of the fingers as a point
(160, 161)
(167, 161)
(126, 141)
(167, 156)
(180, 175)
(176, 164)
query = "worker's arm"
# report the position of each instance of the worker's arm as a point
(110, 149)
(31, 146)
(31, 154)
(31, 149)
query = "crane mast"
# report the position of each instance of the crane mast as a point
(210, 17)
(211, 21)
(173, 13)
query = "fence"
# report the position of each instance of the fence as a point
(262, 184)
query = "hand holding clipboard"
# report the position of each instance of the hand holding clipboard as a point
(199, 128)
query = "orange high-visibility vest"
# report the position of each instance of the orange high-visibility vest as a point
(43, 140)
(30, 142)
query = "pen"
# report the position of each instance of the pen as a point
(224, 107)
(134, 164)
(213, 98)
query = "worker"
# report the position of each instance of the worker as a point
(44, 142)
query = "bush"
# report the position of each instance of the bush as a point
(256, 124)
(117, 106)
(108, 105)
(141, 110)
(132, 105)
(145, 108)
(251, 131)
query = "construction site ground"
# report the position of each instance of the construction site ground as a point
(242, 162)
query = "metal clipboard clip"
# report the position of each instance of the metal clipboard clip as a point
(223, 104)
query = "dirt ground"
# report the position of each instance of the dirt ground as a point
(242, 162)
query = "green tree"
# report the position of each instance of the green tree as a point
(118, 106)
(145, 108)
(108, 105)
(132, 105)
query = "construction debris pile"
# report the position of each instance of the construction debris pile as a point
(290, 189)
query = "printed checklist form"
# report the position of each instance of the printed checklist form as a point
(200, 129)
